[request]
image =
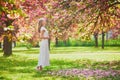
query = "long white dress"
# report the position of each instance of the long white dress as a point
(43, 59)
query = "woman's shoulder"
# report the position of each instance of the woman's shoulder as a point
(42, 28)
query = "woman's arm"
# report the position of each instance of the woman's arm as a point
(42, 35)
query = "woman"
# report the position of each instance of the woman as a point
(43, 59)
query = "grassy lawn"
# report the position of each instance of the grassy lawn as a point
(21, 65)
(67, 50)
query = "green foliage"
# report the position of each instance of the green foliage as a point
(88, 43)
(24, 44)
(11, 27)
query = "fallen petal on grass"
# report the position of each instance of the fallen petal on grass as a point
(85, 73)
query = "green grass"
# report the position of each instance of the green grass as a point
(66, 50)
(21, 65)
(78, 43)
(84, 49)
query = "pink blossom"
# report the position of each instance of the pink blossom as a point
(85, 73)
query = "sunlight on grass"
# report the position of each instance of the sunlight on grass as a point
(93, 56)
(65, 50)
(21, 65)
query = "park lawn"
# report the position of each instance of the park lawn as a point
(66, 50)
(21, 65)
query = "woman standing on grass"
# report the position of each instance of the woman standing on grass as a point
(43, 59)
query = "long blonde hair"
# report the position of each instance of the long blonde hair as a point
(40, 24)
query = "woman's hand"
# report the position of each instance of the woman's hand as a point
(50, 36)
(45, 37)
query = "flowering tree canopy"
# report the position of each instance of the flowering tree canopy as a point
(66, 18)
(89, 16)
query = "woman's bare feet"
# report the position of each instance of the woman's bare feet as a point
(39, 68)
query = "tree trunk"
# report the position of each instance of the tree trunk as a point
(7, 42)
(103, 39)
(65, 42)
(49, 43)
(0, 45)
(96, 39)
(56, 41)
(7, 46)
(68, 42)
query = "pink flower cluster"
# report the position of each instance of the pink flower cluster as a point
(85, 73)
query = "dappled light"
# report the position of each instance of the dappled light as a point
(59, 39)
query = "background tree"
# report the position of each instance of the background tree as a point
(93, 16)
(9, 11)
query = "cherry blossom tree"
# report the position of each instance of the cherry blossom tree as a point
(12, 17)
(9, 11)
(93, 16)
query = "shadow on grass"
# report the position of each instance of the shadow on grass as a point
(4, 78)
(28, 51)
(20, 64)
(36, 51)
(117, 77)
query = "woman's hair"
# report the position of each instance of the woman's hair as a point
(40, 24)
